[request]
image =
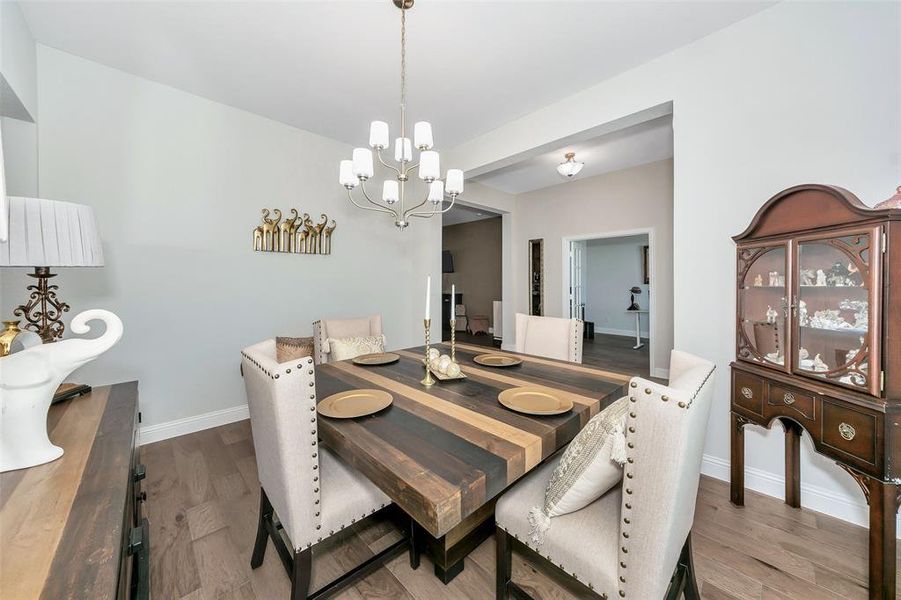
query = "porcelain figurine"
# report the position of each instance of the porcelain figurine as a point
(28, 380)
(808, 276)
(758, 281)
(780, 280)
(773, 276)
(818, 364)
(771, 314)
(803, 318)
(821, 278)
(803, 354)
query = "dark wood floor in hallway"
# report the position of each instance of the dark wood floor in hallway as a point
(202, 500)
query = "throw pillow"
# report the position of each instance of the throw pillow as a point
(590, 465)
(352, 347)
(293, 348)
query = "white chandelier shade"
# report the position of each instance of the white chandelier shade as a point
(570, 167)
(354, 173)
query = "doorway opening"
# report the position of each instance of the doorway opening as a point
(472, 270)
(609, 287)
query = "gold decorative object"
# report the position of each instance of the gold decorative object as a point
(453, 324)
(9, 334)
(427, 381)
(497, 360)
(296, 235)
(354, 403)
(534, 400)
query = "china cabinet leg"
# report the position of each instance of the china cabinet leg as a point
(883, 499)
(792, 463)
(737, 464)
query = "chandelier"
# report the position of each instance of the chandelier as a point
(355, 173)
(570, 168)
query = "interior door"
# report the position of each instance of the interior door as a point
(577, 279)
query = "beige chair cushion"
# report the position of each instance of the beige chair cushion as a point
(346, 495)
(582, 543)
(343, 328)
(352, 347)
(591, 464)
(550, 337)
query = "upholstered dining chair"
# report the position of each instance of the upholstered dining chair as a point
(550, 337)
(632, 542)
(307, 493)
(342, 328)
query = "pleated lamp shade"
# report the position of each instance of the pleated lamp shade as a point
(50, 233)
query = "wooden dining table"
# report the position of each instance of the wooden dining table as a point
(444, 453)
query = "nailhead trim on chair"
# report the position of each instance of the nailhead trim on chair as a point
(630, 460)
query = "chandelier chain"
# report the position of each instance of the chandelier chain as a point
(403, 58)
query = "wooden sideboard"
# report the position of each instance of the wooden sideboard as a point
(818, 348)
(74, 528)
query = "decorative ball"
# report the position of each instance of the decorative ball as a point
(434, 353)
(453, 370)
(443, 362)
(434, 364)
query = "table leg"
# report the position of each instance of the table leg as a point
(792, 463)
(638, 343)
(737, 463)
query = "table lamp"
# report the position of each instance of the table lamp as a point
(43, 234)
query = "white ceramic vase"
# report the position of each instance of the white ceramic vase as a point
(28, 380)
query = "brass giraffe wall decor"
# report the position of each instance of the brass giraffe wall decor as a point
(298, 234)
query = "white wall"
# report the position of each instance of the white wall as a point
(177, 183)
(612, 267)
(20, 156)
(17, 58)
(621, 201)
(801, 92)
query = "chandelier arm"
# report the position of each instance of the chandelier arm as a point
(377, 209)
(378, 153)
(426, 215)
(412, 209)
(376, 204)
(409, 168)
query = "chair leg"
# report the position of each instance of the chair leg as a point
(259, 547)
(504, 563)
(688, 566)
(300, 575)
(414, 541)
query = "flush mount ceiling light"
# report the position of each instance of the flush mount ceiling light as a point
(354, 173)
(570, 168)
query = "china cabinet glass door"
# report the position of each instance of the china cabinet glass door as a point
(837, 308)
(763, 290)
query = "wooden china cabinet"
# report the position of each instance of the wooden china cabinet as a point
(818, 347)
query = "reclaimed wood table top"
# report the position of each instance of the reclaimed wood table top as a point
(61, 522)
(443, 452)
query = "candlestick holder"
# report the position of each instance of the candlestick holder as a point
(453, 324)
(427, 381)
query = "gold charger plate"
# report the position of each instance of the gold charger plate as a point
(354, 403)
(497, 360)
(378, 358)
(533, 400)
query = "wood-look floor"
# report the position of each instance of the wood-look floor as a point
(615, 352)
(202, 500)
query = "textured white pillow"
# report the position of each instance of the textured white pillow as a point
(590, 465)
(352, 347)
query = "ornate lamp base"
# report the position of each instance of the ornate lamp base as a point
(44, 310)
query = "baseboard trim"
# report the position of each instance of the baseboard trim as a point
(813, 497)
(623, 332)
(171, 429)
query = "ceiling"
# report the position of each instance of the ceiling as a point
(637, 145)
(331, 66)
(460, 213)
